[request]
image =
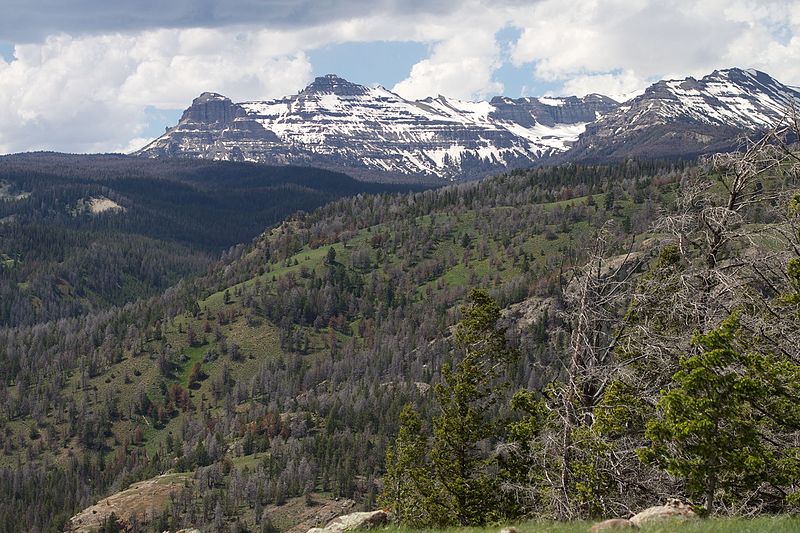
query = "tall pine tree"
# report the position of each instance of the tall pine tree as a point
(461, 487)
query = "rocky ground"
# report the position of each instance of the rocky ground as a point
(145, 499)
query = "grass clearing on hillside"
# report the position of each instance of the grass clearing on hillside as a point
(308, 257)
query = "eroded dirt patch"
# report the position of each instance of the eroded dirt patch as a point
(144, 499)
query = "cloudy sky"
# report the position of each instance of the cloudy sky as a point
(108, 75)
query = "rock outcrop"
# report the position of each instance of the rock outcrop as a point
(143, 499)
(530, 111)
(673, 510)
(354, 521)
(212, 108)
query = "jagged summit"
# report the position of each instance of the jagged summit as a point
(208, 96)
(746, 74)
(333, 84)
(212, 107)
(373, 132)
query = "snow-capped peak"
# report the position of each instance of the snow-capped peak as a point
(338, 124)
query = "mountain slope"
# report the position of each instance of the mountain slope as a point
(336, 124)
(81, 232)
(287, 363)
(687, 117)
(282, 372)
(375, 134)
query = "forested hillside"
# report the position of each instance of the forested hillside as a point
(283, 371)
(306, 343)
(676, 372)
(80, 233)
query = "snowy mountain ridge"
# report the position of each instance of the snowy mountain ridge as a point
(687, 117)
(371, 131)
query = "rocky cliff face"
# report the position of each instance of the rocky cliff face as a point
(337, 124)
(374, 133)
(212, 127)
(212, 108)
(551, 111)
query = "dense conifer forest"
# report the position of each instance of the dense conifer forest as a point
(168, 220)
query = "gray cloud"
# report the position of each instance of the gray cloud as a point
(25, 21)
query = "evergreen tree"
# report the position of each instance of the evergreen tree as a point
(468, 482)
(463, 483)
(330, 257)
(712, 430)
(406, 481)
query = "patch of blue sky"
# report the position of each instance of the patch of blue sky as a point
(158, 120)
(389, 62)
(7, 51)
(369, 63)
(519, 80)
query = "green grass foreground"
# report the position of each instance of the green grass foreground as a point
(768, 524)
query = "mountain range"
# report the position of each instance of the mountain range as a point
(373, 133)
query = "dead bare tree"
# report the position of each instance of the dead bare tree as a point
(594, 301)
(725, 249)
(714, 257)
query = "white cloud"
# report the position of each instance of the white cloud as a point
(89, 93)
(242, 65)
(595, 40)
(133, 145)
(465, 54)
(460, 67)
(615, 85)
(645, 37)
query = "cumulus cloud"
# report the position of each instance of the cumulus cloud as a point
(460, 67)
(615, 42)
(648, 38)
(89, 93)
(617, 85)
